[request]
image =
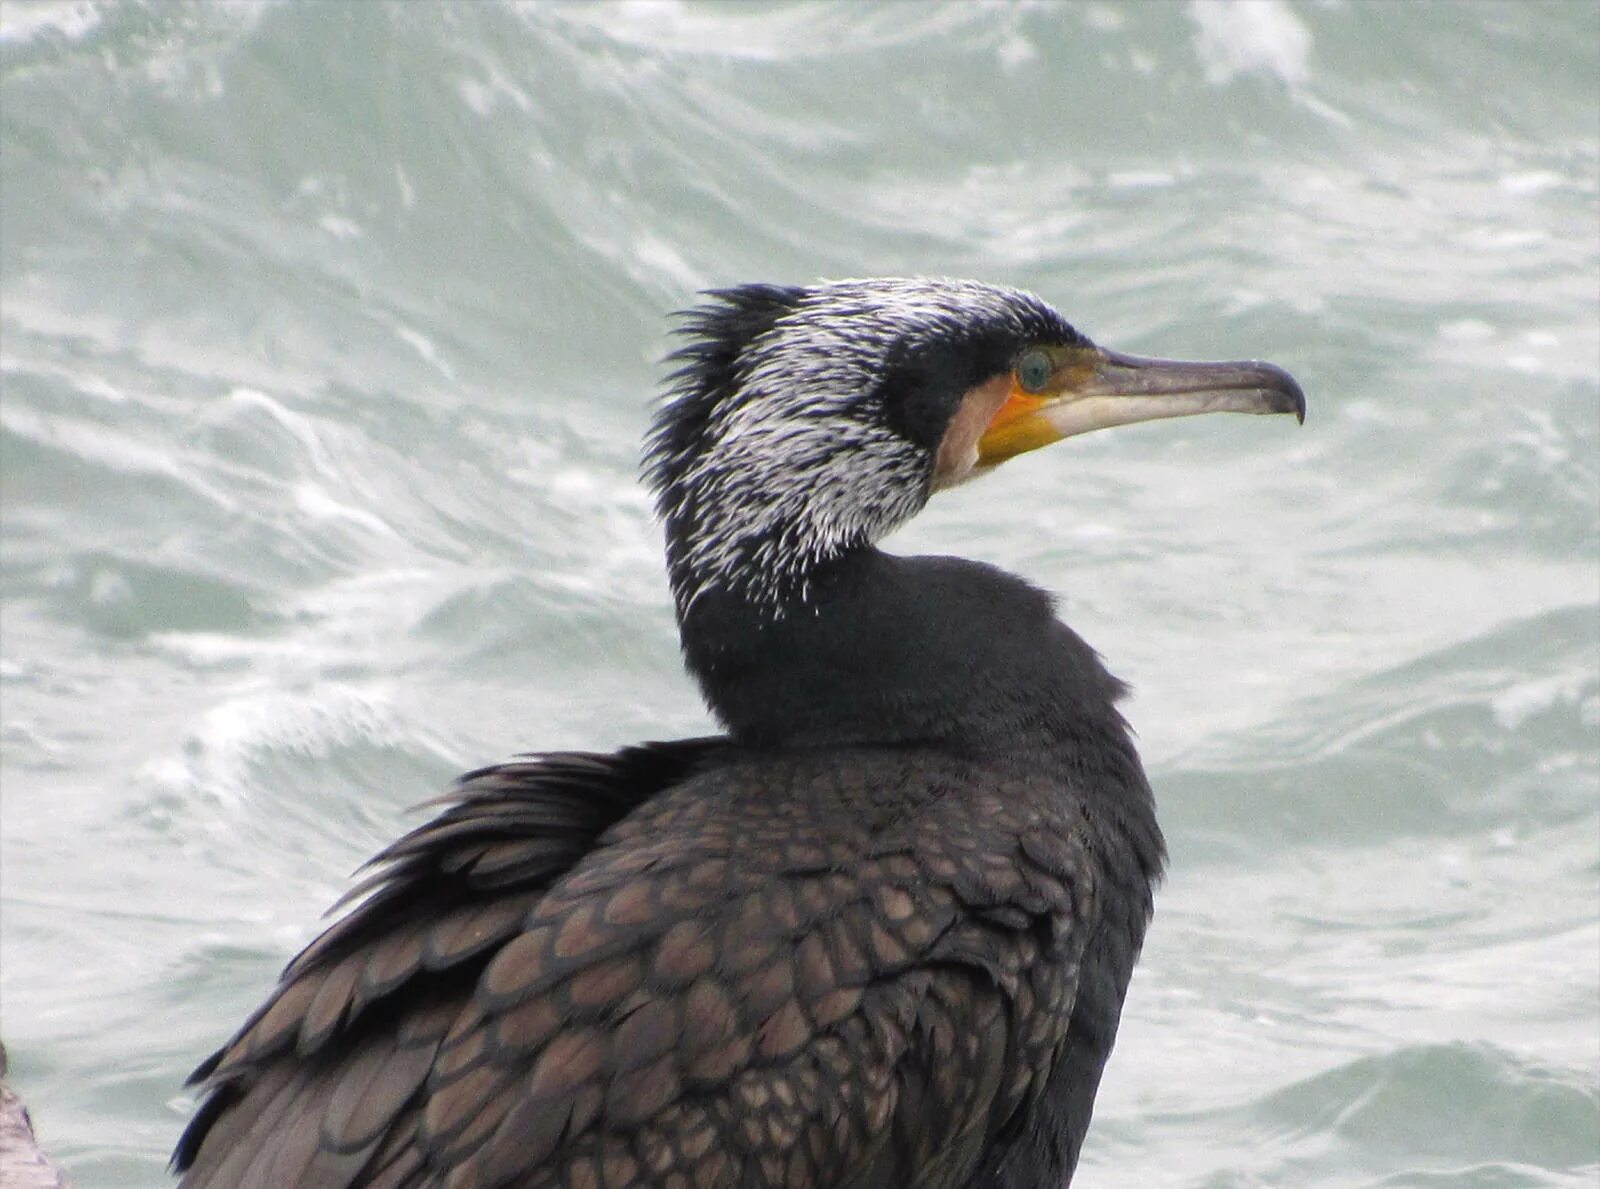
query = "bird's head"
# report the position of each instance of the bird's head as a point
(806, 422)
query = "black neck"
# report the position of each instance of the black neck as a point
(938, 652)
(923, 650)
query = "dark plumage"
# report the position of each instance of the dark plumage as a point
(877, 934)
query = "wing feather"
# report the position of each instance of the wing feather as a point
(806, 973)
(375, 993)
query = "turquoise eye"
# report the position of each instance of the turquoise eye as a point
(1033, 371)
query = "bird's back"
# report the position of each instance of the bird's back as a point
(809, 968)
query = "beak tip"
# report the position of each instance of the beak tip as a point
(1288, 389)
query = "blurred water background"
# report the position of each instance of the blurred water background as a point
(328, 334)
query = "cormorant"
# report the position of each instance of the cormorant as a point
(878, 932)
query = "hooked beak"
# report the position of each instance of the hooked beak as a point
(1092, 388)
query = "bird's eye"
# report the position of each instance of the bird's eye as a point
(1033, 371)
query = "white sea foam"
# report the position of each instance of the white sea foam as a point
(1517, 703)
(72, 19)
(340, 227)
(424, 346)
(257, 718)
(1236, 37)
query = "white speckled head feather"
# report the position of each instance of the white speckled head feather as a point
(775, 451)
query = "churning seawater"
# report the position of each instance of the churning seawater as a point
(328, 334)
